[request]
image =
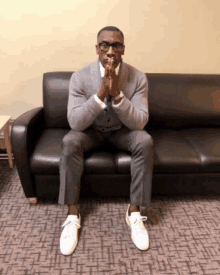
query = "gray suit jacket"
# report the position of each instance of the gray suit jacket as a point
(84, 111)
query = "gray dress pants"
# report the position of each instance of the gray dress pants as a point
(138, 142)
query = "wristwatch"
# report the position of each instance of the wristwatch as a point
(121, 95)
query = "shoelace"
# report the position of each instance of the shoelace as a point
(138, 225)
(68, 224)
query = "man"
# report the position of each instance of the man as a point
(108, 100)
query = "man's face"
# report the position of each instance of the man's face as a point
(110, 37)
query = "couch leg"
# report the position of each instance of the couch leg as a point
(33, 200)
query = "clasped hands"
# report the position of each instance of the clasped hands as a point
(109, 83)
(110, 80)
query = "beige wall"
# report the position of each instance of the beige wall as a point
(172, 36)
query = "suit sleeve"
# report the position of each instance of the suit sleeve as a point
(134, 113)
(81, 112)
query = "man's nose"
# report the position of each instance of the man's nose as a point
(110, 51)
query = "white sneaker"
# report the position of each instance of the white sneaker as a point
(139, 233)
(69, 236)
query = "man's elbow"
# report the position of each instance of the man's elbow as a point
(72, 123)
(144, 123)
(140, 125)
(76, 128)
(73, 127)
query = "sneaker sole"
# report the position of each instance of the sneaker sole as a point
(71, 250)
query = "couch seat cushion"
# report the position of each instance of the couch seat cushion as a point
(46, 156)
(206, 142)
(173, 153)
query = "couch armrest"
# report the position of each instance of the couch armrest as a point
(24, 134)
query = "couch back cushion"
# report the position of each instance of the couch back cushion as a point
(178, 100)
(175, 100)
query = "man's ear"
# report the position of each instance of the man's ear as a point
(123, 52)
(97, 49)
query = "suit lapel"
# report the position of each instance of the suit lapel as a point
(95, 75)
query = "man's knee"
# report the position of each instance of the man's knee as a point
(71, 143)
(143, 140)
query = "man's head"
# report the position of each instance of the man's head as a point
(110, 43)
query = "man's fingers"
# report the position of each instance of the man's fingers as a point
(110, 66)
(107, 71)
(110, 60)
(110, 70)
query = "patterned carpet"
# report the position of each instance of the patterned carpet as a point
(184, 235)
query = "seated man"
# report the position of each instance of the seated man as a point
(108, 100)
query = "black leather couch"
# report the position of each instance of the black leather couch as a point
(184, 123)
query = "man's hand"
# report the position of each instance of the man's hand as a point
(110, 82)
(111, 78)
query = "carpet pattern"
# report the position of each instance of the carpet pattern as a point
(184, 235)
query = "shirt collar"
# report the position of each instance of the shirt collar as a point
(102, 69)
